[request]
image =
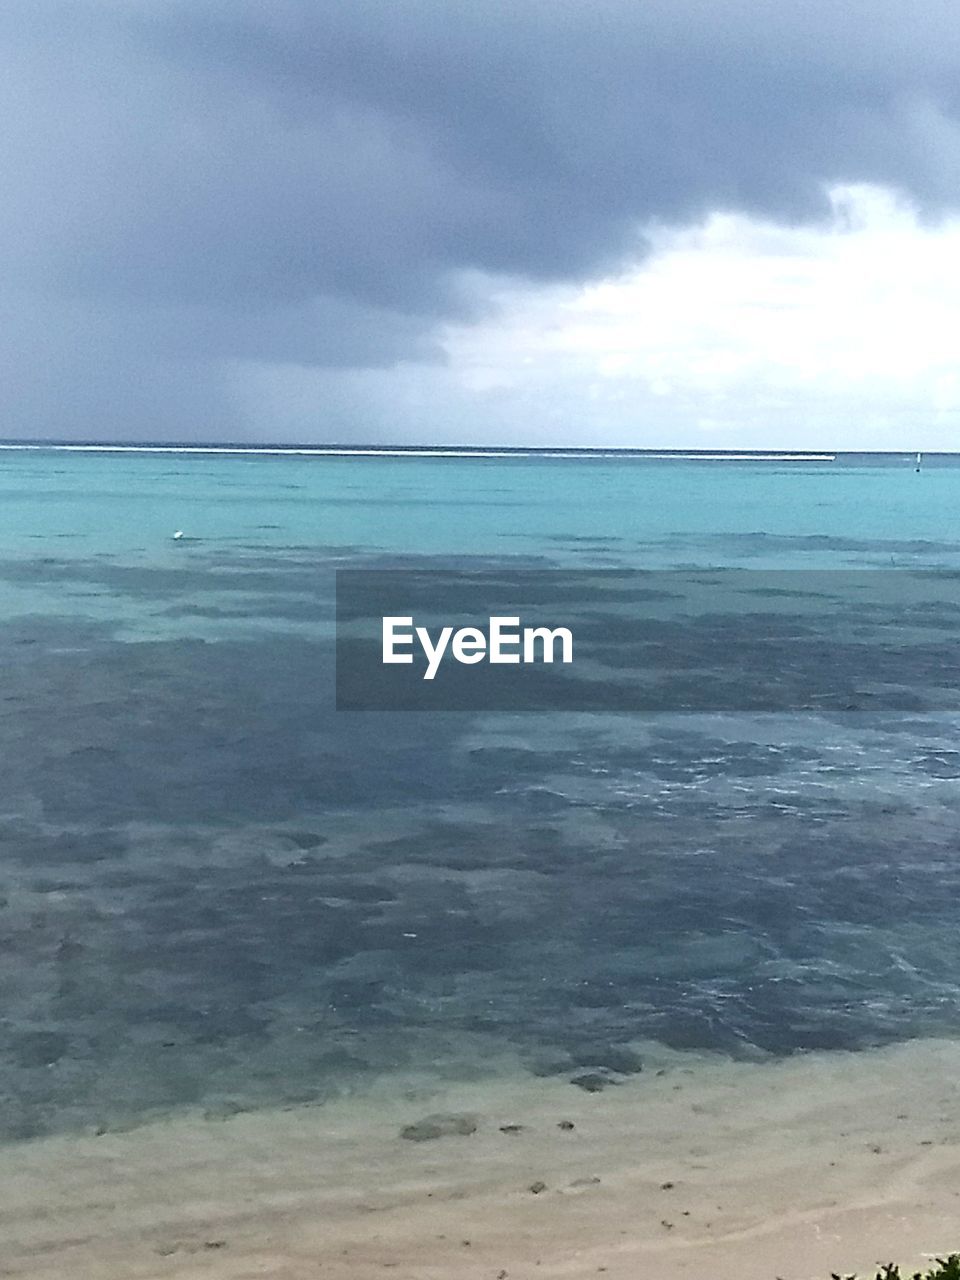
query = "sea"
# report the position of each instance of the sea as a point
(219, 893)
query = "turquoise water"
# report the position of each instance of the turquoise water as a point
(127, 506)
(220, 892)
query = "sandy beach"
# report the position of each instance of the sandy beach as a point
(748, 1171)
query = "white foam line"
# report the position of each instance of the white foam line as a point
(416, 453)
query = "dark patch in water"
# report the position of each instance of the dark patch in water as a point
(218, 891)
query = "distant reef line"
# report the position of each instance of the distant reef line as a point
(412, 451)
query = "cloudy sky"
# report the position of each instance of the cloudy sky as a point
(690, 223)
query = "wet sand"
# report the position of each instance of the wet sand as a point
(748, 1171)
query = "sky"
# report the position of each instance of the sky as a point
(652, 223)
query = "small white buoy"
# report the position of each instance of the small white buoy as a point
(178, 535)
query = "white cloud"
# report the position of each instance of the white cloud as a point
(842, 334)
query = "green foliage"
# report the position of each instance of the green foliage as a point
(946, 1269)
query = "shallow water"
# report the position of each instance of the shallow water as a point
(220, 892)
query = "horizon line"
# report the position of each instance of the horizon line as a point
(448, 451)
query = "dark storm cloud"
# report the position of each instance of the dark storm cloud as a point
(188, 184)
